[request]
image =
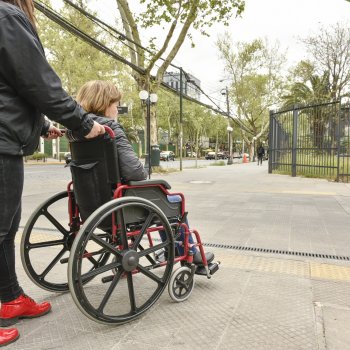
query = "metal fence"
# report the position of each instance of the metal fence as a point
(311, 141)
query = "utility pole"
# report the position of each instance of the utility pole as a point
(229, 128)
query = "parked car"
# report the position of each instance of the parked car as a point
(167, 155)
(67, 157)
(221, 155)
(191, 154)
(210, 155)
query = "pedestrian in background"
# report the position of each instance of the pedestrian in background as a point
(29, 88)
(261, 153)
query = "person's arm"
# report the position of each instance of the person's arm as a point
(26, 70)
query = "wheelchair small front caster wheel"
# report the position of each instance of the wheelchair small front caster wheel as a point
(181, 284)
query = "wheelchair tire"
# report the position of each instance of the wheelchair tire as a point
(129, 286)
(44, 232)
(181, 284)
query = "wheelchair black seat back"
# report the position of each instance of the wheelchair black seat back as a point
(95, 172)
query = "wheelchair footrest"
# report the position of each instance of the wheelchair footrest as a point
(213, 267)
(107, 279)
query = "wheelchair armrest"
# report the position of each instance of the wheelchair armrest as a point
(150, 182)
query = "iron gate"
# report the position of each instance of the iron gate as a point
(312, 141)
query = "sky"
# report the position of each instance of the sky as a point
(285, 21)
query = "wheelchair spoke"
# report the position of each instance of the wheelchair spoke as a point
(89, 256)
(105, 245)
(55, 222)
(148, 257)
(53, 263)
(131, 293)
(149, 274)
(153, 249)
(143, 230)
(45, 244)
(100, 270)
(110, 290)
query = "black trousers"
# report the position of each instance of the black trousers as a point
(11, 188)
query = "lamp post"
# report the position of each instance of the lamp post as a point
(148, 99)
(225, 92)
(229, 130)
(254, 139)
(181, 119)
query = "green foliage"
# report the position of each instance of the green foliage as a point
(218, 163)
(74, 60)
(208, 12)
(254, 70)
(307, 87)
(37, 156)
(329, 49)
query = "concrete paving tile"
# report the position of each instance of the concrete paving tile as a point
(336, 328)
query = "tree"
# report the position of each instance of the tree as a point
(175, 18)
(74, 60)
(254, 70)
(330, 52)
(307, 86)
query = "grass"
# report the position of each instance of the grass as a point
(218, 163)
(314, 165)
(160, 170)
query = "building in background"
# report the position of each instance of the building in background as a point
(189, 83)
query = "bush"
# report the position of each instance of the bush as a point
(38, 156)
(218, 163)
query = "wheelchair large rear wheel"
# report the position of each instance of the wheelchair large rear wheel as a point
(131, 281)
(46, 242)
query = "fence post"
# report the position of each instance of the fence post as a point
(294, 142)
(271, 141)
(338, 140)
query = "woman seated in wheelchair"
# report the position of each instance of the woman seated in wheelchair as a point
(102, 99)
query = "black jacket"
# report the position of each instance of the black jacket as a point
(261, 151)
(130, 167)
(29, 88)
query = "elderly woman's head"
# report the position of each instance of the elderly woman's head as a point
(99, 97)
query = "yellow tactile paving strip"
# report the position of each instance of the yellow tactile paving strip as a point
(306, 269)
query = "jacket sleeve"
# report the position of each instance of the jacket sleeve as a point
(45, 128)
(26, 70)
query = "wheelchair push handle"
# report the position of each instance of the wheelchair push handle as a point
(109, 131)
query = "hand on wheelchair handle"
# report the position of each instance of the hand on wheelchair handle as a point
(97, 129)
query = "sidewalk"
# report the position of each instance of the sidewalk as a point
(270, 297)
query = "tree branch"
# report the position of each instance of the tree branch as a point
(131, 29)
(190, 19)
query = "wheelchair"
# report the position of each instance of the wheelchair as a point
(120, 243)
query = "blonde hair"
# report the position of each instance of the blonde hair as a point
(97, 95)
(27, 6)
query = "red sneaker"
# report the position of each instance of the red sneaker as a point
(8, 336)
(22, 307)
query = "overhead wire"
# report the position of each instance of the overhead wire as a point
(59, 19)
